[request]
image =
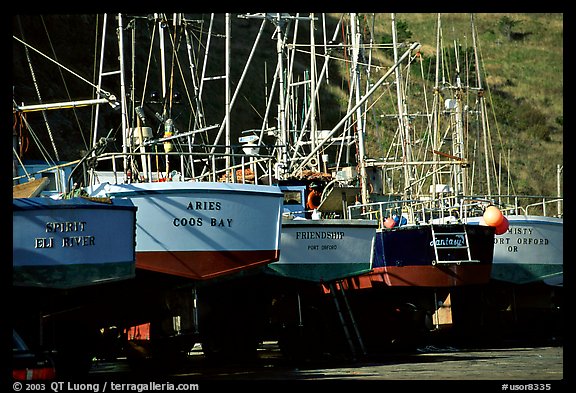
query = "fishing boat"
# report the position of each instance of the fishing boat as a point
(189, 225)
(72, 243)
(319, 248)
(326, 252)
(63, 241)
(202, 230)
(524, 298)
(425, 258)
(531, 249)
(451, 252)
(69, 253)
(68, 256)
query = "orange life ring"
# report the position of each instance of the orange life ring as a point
(313, 200)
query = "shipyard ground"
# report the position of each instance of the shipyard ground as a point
(497, 366)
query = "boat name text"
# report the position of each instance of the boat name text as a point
(512, 243)
(66, 241)
(67, 226)
(204, 205)
(199, 221)
(456, 241)
(202, 221)
(309, 235)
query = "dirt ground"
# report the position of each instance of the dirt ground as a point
(526, 366)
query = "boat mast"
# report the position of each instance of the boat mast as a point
(313, 124)
(365, 97)
(282, 151)
(458, 135)
(482, 104)
(355, 33)
(232, 177)
(436, 111)
(123, 106)
(403, 120)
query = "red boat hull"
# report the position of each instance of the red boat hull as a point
(203, 265)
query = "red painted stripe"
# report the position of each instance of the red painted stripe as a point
(203, 265)
(423, 276)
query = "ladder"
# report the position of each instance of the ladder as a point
(445, 242)
(351, 321)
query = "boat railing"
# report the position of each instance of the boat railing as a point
(526, 204)
(450, 208)
(543, 204)
(408, 211)
(56, 173)
(47, 169)
(180, 166)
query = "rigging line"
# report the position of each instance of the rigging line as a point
(95, 76)
(101, 91)
(209, 35)
(493, 112)
(196, 107)
(369, 30)
(30, 177)
(45, 154)
(64, 82)
(196, 118)
(38, 93)
(177, 62)
(146, 77)
(175, 45)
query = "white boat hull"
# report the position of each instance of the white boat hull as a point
(202, 230)
(530, 250)
(325, 250)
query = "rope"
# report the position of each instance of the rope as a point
(38, 93)
(64, 83)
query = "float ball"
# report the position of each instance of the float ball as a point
(493, 216)
(389, 222)
(503, 227)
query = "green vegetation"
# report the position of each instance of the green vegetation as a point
(522, 58)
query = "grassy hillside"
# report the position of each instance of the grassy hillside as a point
(522, 66)
(523, 61)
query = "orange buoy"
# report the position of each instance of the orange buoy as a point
(503, 227)
(389, 222)
(493, 216)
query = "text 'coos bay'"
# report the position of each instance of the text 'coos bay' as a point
(193, 221)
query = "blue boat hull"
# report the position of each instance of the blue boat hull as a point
(72, 243)
(405, 256)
